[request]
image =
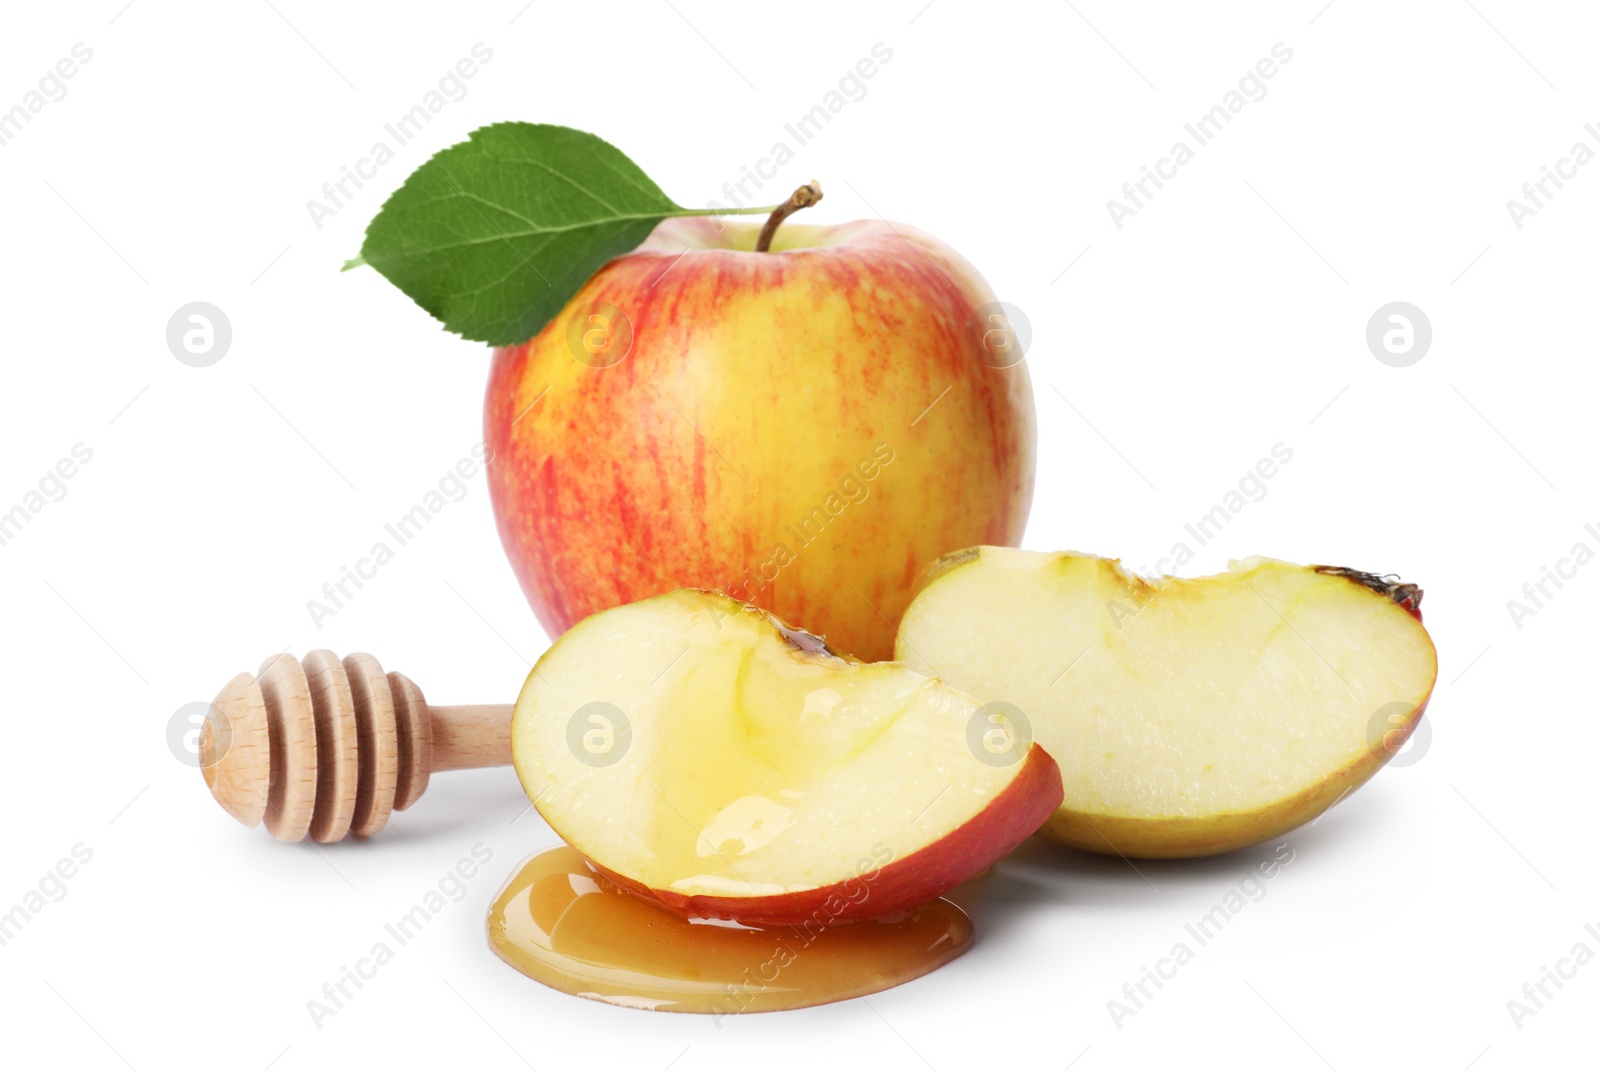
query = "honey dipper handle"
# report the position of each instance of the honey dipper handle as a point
(471, 737)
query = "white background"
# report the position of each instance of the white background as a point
(1227, 316)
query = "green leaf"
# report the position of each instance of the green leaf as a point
(494, 235)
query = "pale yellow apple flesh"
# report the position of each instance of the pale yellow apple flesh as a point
(762, 777)
(1188, 717)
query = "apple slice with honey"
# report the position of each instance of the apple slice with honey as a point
(1190, 717)
(699, 751)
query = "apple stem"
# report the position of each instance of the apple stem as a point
(804, 197)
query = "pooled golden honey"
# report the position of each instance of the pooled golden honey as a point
(561, 923)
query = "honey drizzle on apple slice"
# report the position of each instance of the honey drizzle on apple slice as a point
(561, 923)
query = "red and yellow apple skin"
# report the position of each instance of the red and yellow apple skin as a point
(806, 429)
(894, 885)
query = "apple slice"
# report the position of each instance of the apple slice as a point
(699, 751)
(1189, 717)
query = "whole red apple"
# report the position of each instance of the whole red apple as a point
(805, 428)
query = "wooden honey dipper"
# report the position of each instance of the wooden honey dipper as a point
(326, 747)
